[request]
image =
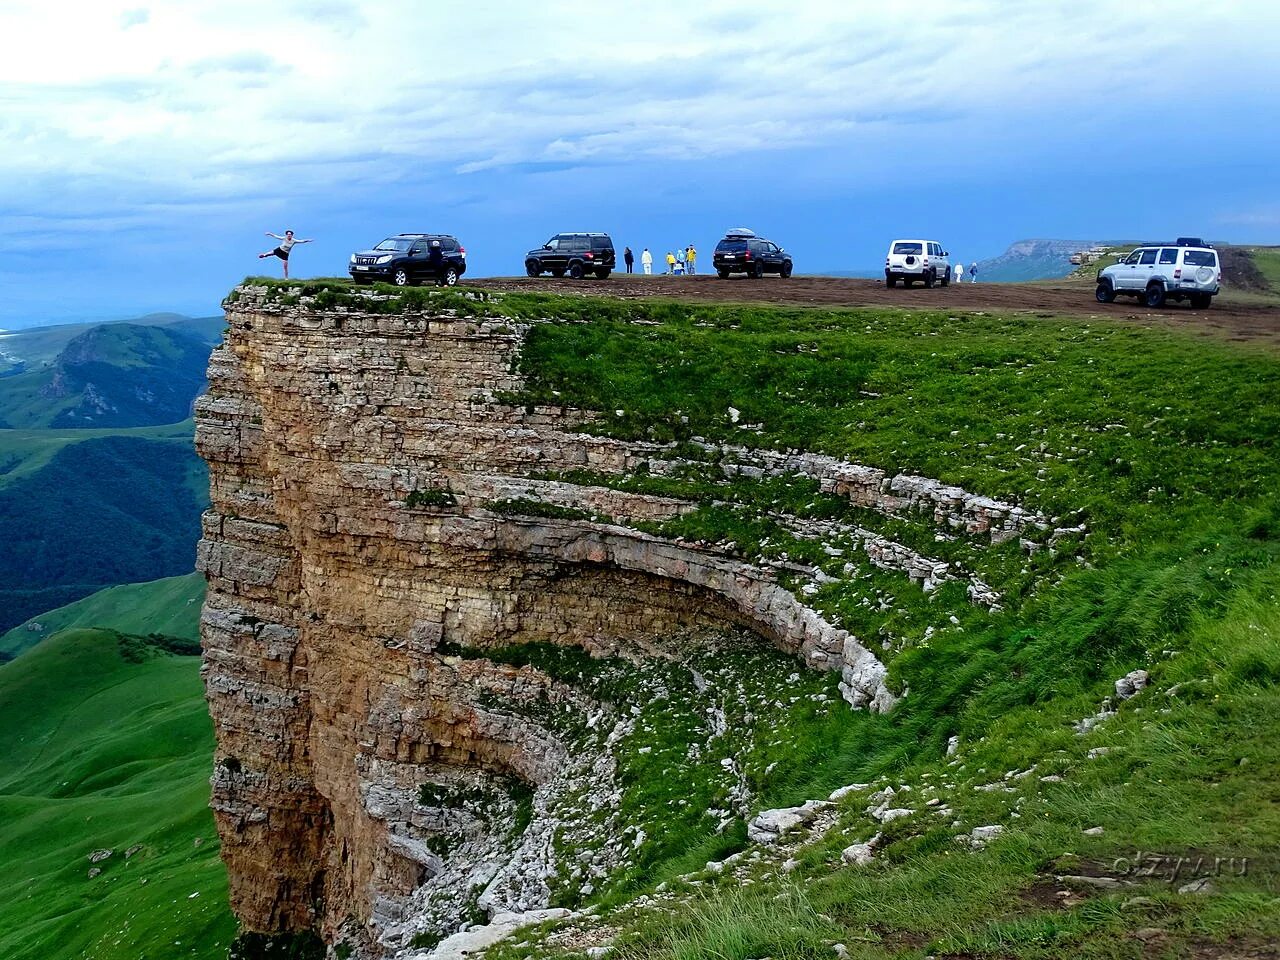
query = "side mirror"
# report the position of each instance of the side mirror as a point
(946, 253)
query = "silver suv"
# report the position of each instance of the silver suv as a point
(1176, 271)
(909, 260)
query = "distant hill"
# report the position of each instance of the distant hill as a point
(1032, 260)
(110, 375)
(107, 745)
(115, 509)
(170, 606)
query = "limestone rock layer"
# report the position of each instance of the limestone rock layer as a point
(352, 551)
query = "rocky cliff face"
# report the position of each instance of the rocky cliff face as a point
(381, 521)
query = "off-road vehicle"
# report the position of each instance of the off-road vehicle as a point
(1157, 273)
(912, 260)
(741, 251)
(409, 258)
(576, 254)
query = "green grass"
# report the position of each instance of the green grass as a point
(1267, 260)
(103, 752)
(170, 606)
(25, 452)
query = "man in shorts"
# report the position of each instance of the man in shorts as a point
(287, 243)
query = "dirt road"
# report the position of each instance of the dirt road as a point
(1248, 318)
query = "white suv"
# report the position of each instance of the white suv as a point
(910, 260)
(1167, 272)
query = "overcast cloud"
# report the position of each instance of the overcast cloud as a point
(148, 128)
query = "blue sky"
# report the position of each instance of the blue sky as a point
(147, 147)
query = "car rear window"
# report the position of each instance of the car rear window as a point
(1200, 258)
(601, 243)
(731, 246)
(907, 248)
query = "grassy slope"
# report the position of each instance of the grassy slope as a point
(1267, 260)
(24, 452)
(113, 509)
(1167, 445)
(101, 752)
(170, 606)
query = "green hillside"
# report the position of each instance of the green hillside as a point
(111, 375)
(170, 606)
(107, 745)
(108, 510)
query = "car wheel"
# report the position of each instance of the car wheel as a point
(906, 281)
(722, 274)
(450, 278)
(929, 279)
(1155, 296)
(1201, 301)
(890, 281)
(576, 271)
(400, 277)
(532, 267)
(757, 272)
(603, 273)
(946, 277)
(785, 272)
(1105, 292)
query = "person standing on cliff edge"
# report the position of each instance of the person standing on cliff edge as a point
(287, 243)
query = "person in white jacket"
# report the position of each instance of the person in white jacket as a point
(646, 261)
(959, 273)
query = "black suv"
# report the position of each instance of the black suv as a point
(576, 254)
(409, 258)
(741, 251)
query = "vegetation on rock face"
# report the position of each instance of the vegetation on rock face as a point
(1166, 448)
(107, 747)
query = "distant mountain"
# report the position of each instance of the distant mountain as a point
(1033, 260)
(108, 510)
(108, 375)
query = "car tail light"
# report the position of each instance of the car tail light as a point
(746, 255)
(462, 251)
(1177, 273)
(590, 255)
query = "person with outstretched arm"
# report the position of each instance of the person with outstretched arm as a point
(287, 243)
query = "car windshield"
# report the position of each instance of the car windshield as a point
(906, 248)
(1200, 258)
(394, 243)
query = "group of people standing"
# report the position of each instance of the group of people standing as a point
(683, 262)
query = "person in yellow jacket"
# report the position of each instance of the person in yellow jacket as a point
(691, 260)
(671, 262)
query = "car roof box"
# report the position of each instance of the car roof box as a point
(739, 232)
(1191, 242)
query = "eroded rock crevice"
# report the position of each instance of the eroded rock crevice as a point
(388, 762)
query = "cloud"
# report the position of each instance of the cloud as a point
(134, 18)
(217, 107)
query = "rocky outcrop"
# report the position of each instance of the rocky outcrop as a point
(380, 519)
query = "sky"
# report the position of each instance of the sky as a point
(145, 148)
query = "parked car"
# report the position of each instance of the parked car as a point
(576, 254)
(409, 258)
(741, 251)
(912, 260)
(1155, 274)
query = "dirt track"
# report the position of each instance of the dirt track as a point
(1250, 320)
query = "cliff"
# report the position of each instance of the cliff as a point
(389, 522)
